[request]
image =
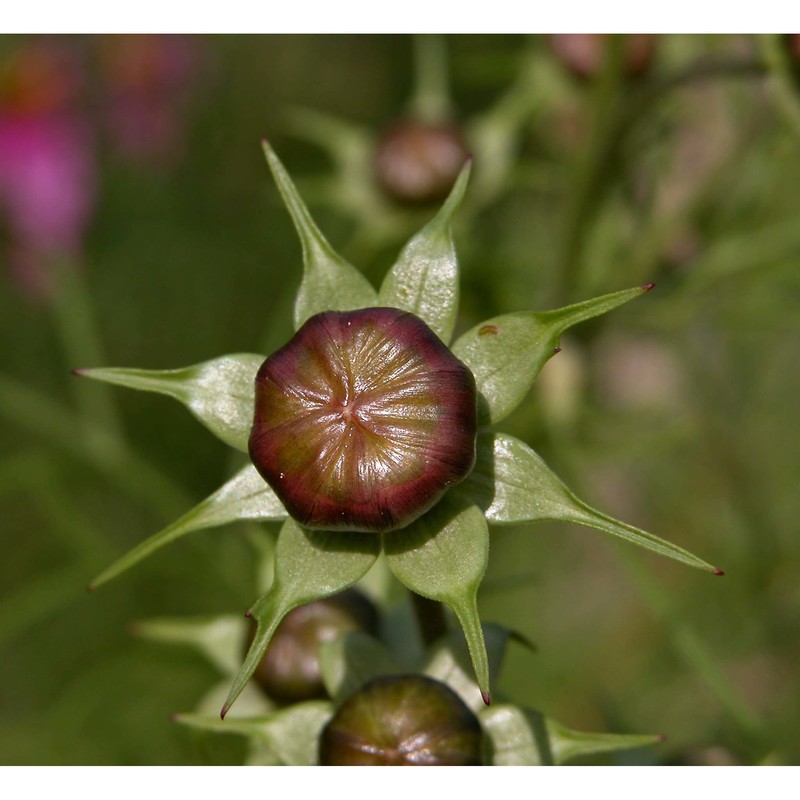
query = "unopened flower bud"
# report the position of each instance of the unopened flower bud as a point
(409, 720)
(417, 163)
(583, 53)
(290, 671)
(363, 420)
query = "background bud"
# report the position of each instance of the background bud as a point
(290, 670)
(583, 53)
(409, 720)
(417, 162)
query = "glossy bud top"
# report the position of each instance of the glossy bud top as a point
(409, 720)
(583, 53)
(290, 671)
(363, 420)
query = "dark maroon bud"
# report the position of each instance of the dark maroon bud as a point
(407, 720)
(290, 672)
(583, 53)
(363, 420)
(417, 162)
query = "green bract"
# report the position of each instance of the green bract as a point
(512, 735)
(442, 555)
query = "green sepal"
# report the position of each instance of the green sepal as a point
(245, 496)
(567, 744)
(309, 565)
(448, 660)
(329, 282)
(220, 639)
(506, 353)
(524, 737)
(220, 392)
(424, 280)
(443, 556)
(291, 734)
(512, 484)
(349, 661)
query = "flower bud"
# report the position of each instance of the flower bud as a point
(290, 672)
(583, 53)
(408, 720)
(417, 163)
(363, 420)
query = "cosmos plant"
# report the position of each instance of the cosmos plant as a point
(372, 436)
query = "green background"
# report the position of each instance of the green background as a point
(676, 413)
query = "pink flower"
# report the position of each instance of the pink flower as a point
(47, 171)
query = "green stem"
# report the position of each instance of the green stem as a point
(75, 323)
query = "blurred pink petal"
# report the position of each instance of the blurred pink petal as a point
(149, 82)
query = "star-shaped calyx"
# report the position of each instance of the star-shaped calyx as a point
(365, 422)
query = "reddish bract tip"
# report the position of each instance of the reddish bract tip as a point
(487, 698)
(718, 571)
(662, 737)
(648, 286)
(79, 372)
(224, 711)
(91, 587)
(556, 350)
(248, 614)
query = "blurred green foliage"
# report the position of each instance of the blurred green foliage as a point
(675, 413)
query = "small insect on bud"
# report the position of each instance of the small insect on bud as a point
(417, 163)
(409, 720)
(583, 53)
(363, 420)
(290, 671)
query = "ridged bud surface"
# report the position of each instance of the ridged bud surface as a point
(363, 420)
(408, 720)
(290, 670)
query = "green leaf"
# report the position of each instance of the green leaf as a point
(506, 353)
(517, 737)
(291, 734)
(220, 639)
(448, 661)
(245, 496)
(567, 744)
(424, 280)
(513, 484)
(443, 556)
(220, 393)
(349, 661)
(309, 565)
(523, 737)
(329, 282)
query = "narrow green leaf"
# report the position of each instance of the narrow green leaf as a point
(513, 484)
(309, 565)
(448, 661)
(349, 661)
(567, 744)
(245, 496)
(220, 393)
(524, 737)
(291, 734)
(424, 280)
(443, 556)
(220, 639)
(506, 353)
(329, 282)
